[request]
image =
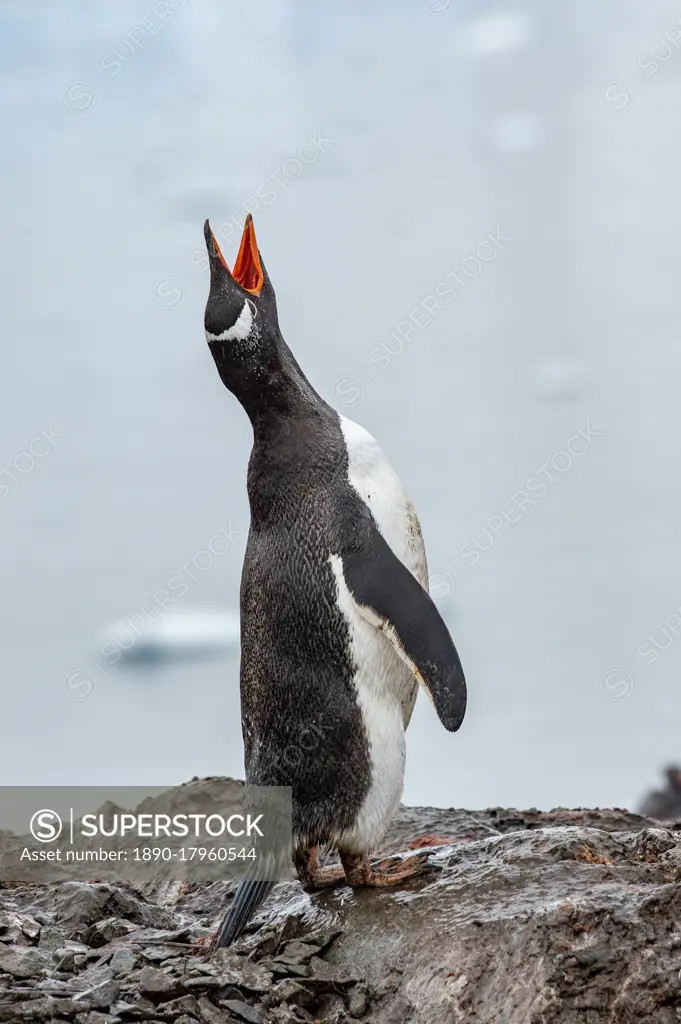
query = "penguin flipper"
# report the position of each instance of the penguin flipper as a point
(388, 596)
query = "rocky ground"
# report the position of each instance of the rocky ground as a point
(527, 916)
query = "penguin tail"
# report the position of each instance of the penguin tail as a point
(249, 896)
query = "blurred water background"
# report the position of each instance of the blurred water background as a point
(525, 156)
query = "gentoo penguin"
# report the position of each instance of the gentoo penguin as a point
(337, 627)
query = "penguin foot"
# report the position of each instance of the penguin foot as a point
(359, 871)
(312, 875)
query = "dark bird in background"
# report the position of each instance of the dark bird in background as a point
(665, 804)
(337, 627)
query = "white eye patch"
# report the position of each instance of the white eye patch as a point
(239, 330)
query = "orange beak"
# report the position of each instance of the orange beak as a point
(247, 267)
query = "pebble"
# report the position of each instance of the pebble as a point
(10, 926)
(123, 961)
(30, 928)
(66, 960)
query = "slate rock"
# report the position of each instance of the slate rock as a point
(79, 905)
(297, 952)
(186, 1004)
(30, 928)
(210, 1014)
(157, 954)
(10, 926)
(102, 932)
(24, 961)
(95, 1017)
(122, 1008)
(287, 970)
(100, 996)
(39, 1009)
(237, 970)
(358, 1003)
(290, 991)
(123, 961)
(242, 1010)
(158, 986)
(54, 938)
(66, 960)
(549, 916)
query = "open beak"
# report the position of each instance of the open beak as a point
(247, 271)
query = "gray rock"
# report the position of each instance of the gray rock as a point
(52, 985)
(10, 926)
(290, 991)
(206, 968)
(99, 996)
(24, 961)
(157, 954)
(549, 917)
(54, 938)
(66, 960)
(203, 982)
(181, 963)
(185, 1004)
(297, 952)
(237, 970)
(30, 928)
(292, 1015)
(42, 918)
(210, 1014)
(158, 986)
(323, 939)
(244, 1011)
(79, 905)
(121, 1008)
(95, 1017)
(93, 975)
(287, 970)
(123, 961)
(326, 975)
(102, 932)
(160, 935)
(140, 1009)
(39, 1009)
(19, 928)
(358, 1004)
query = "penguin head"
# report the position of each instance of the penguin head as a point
(241, 323)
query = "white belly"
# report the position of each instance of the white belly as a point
(379, 486)
(386, 687)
